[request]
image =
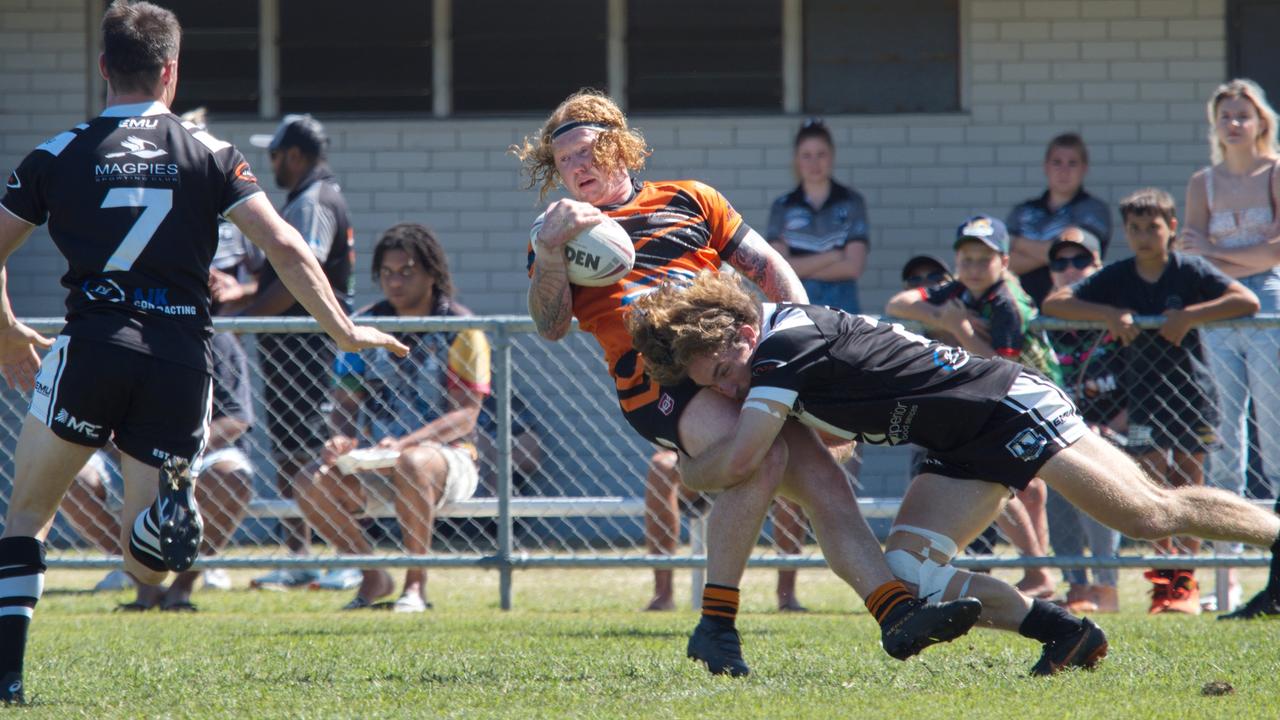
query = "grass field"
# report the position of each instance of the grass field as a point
(576, 646)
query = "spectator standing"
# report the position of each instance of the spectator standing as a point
(984, 288)
(1172, 400)
(820, 227)
(423, 407)
(1231, 206)
(1036, 223)
(296, 368)
(1090, 366)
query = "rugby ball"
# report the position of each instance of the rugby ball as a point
(599, 255)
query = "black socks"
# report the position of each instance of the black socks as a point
(1047, 622)
(21, 583)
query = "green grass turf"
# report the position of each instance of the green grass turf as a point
(576, 646)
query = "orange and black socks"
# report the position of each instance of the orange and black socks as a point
(885, 602)
(720, 602)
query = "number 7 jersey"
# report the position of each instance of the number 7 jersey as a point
(132, 199)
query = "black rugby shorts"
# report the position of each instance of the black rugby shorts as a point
(89, 392)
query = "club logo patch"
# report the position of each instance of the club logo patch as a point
(666, 404)
(1027, 445)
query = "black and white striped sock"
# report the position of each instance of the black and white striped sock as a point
(144, 541)
(21, 584)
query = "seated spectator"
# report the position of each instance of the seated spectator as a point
(1172, 400)
(1036, 223)
(821, 225)
(665, 497)
(985, 288)
(423, 408)
(1090, 366)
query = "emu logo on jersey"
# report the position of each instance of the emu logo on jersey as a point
(139, 123)
(139, 148)
(1027, 445)
(13, 183)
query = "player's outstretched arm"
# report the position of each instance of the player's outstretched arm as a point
(760, 263)
(302, 275)
(18, 358)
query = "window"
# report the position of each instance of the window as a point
(1251, 47)
(219, 55)
(366, 56)
(862, 56)
(526, 55)
(704, 55)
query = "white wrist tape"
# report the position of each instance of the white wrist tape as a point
(762, 407)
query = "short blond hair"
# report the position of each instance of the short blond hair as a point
(676, 323)
(1249, 90)
(618, 146)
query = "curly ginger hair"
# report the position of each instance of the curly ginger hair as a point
(619, 146)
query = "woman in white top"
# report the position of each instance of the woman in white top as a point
(1231, 220)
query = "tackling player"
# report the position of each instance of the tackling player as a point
(990, 426)
(132, 199)
(681, 228)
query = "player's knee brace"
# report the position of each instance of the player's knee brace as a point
(926, 563)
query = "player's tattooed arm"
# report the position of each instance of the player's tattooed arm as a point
(764, 266)
(550, 302)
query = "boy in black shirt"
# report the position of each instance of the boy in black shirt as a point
(990, 425)
(1172, 400)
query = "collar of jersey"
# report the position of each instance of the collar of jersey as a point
(142, 109)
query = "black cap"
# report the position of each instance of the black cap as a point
(1086, 240)
(301, 131)
(924, 259)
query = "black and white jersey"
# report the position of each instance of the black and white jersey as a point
(132, 199)
(317, 210)
(876, 382)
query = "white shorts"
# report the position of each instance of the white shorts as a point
(227, 455)
(460, 483)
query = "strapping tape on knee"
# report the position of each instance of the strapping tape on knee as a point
(924, 561)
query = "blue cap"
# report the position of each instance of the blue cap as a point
(985, 229)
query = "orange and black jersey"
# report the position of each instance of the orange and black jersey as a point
(679, 228)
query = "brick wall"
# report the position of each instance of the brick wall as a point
(1131, 75)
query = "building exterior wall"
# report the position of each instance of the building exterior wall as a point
(1130, 75)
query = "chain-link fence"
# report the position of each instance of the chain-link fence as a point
(553, 476)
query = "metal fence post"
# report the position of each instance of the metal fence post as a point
(502, 389)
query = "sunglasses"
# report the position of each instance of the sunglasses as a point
(919, 281)
(812, 122)
(1078, 262)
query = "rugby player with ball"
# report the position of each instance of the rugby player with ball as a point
(678, 229)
